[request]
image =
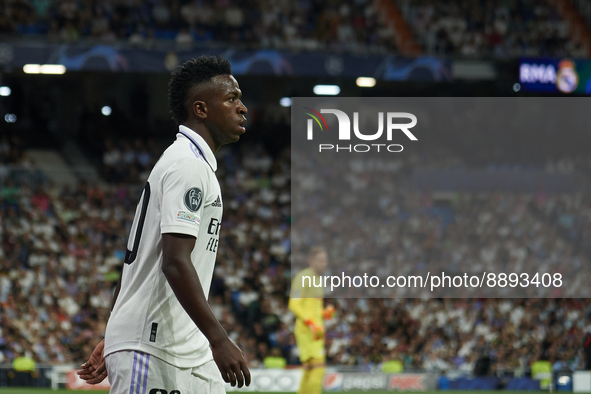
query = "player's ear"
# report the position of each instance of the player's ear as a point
(200, 109)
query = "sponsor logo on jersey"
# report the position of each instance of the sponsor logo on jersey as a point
(193, 198)
(217, 202)
(213, 229)
(187, 217)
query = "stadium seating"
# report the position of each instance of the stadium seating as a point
(470, 28)
(478, 29)
(62, 250)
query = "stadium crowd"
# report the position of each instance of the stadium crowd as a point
(504, 29)
(468, 28)
(132, 162)
(12, 151)
(411, 233)
(338, 25)
(62, 251)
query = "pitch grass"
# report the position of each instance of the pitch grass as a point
(16, 390)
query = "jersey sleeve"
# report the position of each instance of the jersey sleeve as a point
(295, 304)
(184, 187)
(297, 290)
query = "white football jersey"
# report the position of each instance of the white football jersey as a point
(182, 195)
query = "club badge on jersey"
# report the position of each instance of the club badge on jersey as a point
(193, 198)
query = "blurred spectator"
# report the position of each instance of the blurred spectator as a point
(476, 29)
(184, 38)
(434, 363)
(24, 363)
(392, 364)
(469, 28)
(275, 360)
(542, 371)
(309, 25)
(23, 369)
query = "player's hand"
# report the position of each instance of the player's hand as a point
(317, 329)
(231, 363)
(328, 312)
(94, 370)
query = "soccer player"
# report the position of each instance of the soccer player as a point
(162, 336)
(307, 302)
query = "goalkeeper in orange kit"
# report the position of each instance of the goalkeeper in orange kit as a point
(306, 302)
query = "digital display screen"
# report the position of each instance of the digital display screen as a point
(555, 75)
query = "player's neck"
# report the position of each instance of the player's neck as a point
(204, 133)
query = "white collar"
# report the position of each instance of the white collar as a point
(201, 145)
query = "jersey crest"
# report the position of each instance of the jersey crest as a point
(193, 198)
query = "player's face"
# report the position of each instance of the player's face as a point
(225, 111)
(319, 262)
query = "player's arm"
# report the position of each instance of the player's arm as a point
(184, 281)
(94, 370)
(296, 306)
(296, 298)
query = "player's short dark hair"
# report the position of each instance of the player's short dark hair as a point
(192, 73)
